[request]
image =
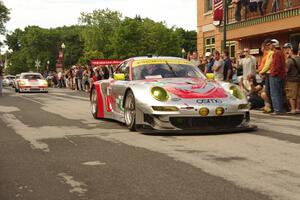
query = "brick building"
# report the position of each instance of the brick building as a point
(251, 30)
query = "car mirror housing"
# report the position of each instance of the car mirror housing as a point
(119, 77)
(210, 76)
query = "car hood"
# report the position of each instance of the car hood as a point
(189, 88)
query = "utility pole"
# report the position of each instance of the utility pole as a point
(225, 24)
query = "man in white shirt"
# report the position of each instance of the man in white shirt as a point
(249, 68)
(195, 59)
(218, 67)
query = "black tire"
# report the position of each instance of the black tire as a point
(94, 103)
(130, 111)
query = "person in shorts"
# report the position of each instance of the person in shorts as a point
(292, 87)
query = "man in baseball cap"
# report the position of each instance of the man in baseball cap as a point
(275, 43)
(207, 54)
(265, 73)
(292, 87)
(288, 46)
(267, 41)
(277, 77)
(210, 64)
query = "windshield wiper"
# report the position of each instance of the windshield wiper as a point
(171, 68)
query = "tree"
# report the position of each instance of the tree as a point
(34, 43)
(188, 39)
(99, 25)
(4, 17)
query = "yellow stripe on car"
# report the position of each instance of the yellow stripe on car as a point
(137, 63)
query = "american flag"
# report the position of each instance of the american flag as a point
(218, 10)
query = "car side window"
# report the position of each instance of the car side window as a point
(124, 69)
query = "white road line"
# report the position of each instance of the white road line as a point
(80, 188)
(8, 109)
(71, 141)
(94, 163)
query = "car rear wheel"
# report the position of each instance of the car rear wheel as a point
(130, 111)
(94, 103)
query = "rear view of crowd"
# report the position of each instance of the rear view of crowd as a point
(272, 85)
(78, 77)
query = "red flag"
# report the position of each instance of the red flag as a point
(218, 10)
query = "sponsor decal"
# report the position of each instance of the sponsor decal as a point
(120, 102)
(209, 101)
(137, 63)
(207, 93)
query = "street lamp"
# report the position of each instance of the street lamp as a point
(63, 45)
(60, 56)
(183, 52)
(48, 64)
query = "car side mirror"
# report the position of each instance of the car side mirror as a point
(210, 76)
(119, 77)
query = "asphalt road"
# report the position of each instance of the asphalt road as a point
(52, 149)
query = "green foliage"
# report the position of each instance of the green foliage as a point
(43, 44)
(89, 55)
(4, 17)
(102, 34)
(99, 25)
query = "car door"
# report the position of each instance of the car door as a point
(118, 88)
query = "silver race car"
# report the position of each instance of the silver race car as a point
(31, 82)
(167, 94)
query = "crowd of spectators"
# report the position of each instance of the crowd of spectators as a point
(272, 84)
(77, 77)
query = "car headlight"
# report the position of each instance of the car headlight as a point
(236, 92)
(22, 82)
(219, 111)
(204, 111)
(160, 94)
(45, 83)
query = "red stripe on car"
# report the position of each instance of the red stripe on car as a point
(100, 101)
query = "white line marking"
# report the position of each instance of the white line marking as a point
(71, 141)
(76, 187)
(8, 109)
(94, 163)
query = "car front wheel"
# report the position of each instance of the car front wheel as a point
(130, 111)
(94, 103)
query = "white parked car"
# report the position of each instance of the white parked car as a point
(8, 80)
(31, 82)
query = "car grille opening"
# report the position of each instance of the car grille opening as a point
(149, 119)
(221, 122)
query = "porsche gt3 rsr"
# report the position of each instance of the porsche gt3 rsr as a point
(166, 94)
(31, 82)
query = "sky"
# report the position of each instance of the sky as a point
(55, 13)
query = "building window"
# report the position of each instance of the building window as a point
(209, 44)
(208, 5)
(230, 45)
(295, 40)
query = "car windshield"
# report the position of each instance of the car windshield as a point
(32, 76)
(165, 70)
